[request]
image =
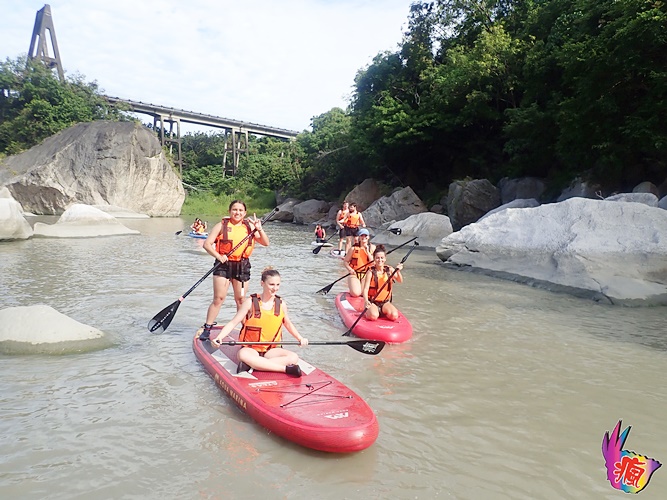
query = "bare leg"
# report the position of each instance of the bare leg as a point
(390, 311)
(354, 285)
(239, 292)
(220, 287)
(275, 360)
(372, 313)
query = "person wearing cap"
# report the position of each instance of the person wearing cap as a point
(357, 260)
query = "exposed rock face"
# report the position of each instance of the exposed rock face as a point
(579, 189)
(310, 211)
(663, 203)
(82, 221)
(400, 205)
(97, 163)
(646, 187)
(617, 251)
(430, 228)
(469, 200)
(364, 194)
(13, 225)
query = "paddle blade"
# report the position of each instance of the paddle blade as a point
(178, 232)
(371, 347)
(316, 250)
(161, 320)
(396, 230)
(326, 289)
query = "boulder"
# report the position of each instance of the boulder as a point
(430, 228)
(310, 211)
(611, 251)
(580, 189)
(365, 194)
(399, 205)
(467, 201)
(120, 212)
(523, 188)
(646, 187)
(95, 163)
(518, 203)
(285, 211)
(636, 197)
(663, 203)
(13, 225)
(82, 221)
(40, 328)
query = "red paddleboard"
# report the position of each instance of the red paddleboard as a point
(314, 410)
(394, 332)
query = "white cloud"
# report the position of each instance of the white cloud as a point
(275, 63)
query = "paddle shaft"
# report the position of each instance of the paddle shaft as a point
(391, 276)
(364, 346)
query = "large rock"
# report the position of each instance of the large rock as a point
(13, 225)
(663, 203)
(615, 251)
(365, 194)
(399, 205)
(580, 189)
(636, 197)
(524, 188)
(82, 221)
(310, 211)
(467, 201)
(646, 187)
(285, 211)
(517, 203)
(41, 328)
(96, 163)
(429, 228)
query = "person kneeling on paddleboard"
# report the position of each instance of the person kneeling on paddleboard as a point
(264, 316)
(377, 292)
(320, 234)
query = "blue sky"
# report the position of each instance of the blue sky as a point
(272, 62)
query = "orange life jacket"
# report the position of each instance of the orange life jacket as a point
(230, 236)
(359, 258)
(341, 215)
(376, 283)
(262, 325)
(353, 220)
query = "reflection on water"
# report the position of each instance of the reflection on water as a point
(505, 391)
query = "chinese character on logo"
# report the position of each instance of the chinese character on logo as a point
(626, 470)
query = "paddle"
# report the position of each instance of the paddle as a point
(349, 332)
(317, 249)
(366, 346)
(395, 230)
(178, 232)
(327, 288)
(162, 319)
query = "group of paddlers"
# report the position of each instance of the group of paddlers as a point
(263, 315)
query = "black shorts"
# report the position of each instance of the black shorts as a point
(341, 232)
(351, 231)
(234, 270)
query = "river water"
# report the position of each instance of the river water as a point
(505, 391)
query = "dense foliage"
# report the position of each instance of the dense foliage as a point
(35, 104)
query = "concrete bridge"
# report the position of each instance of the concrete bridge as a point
(236, 132)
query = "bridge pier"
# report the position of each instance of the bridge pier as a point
(239, 144)
(169, 139)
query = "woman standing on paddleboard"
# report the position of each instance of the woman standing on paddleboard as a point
(235, 266)
(377, 292)
(264, 316)
(357, 260)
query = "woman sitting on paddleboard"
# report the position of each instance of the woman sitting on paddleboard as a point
(264, 316)
(224, 237)
(320, 234)
(357, 260)
(377, 292)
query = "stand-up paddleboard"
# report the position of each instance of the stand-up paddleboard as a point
(192, 234)
(314, 410)
(340, 254)
(323, 244)
(350, 308)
